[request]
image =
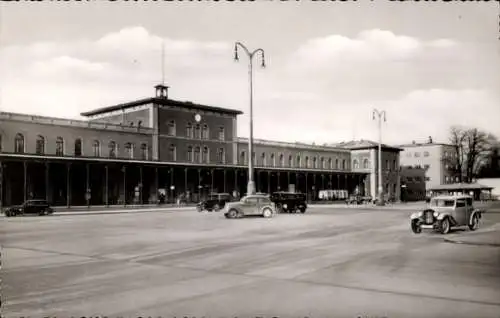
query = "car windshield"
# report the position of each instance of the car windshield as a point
(442, 203)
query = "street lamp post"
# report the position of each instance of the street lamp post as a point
(251, 183)
(380, 115)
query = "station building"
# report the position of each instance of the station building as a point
(140, 151)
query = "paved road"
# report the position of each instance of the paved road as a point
(325, 263)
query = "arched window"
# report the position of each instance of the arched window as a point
(96, 148)
(206, 155)
(290, 161)
(299, 161)
(263, 159)
(144, 152)
(330, 163)
(221, 157)
(19, 143)
(206, 132)
(337, 164)
(172, 153)
(40, 145)
(197, 152)
(344, 164)
(355, 164)
(171, 128)
(315, 163)
(129, 150)
(59, 146)
(243, 158)
(112, 149)
(322, 162)
(366, 164)
(189, 130)
(282, 160)
(222, 135)
(197, 131)
(273, 160)
(190, 154)
(307, 162)
(78, 147)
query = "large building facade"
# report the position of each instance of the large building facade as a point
(133, 153)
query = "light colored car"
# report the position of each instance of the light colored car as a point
(256, 204)
(445, 212)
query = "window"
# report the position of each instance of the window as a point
(457, 179)
(323, 163)
(355, 164)
(221, 134)
(59, 146)
(197, 131)
(344, 164)
(144, 152)
(253, 157)
(290, 161)
(427, 179)
(243, 158)
(129, 150)
(172, 153)
(446, 154)
(40, 145)
(282, 160)
(197, 153)
(263, 159)
(417, 154)
(337, 164)
(426, 167)
(273, 160)
(387, 166)
(205, 132)
(189, 130)
(171, 128)
(394, 165)
(96, 148)
(112, 149)
(315, 163)
(205, 155)
(366, 164)
(299, 161)
(19, 143)
(330, 163)
(189, 154)
(307, 162)
(221, 158)
(426, 154)
(78, 147)
(447, 179)
(460, 203)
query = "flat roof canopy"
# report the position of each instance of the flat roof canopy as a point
(460, 186)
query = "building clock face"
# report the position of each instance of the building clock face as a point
(197, 117)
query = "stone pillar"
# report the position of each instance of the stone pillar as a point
(47, 183)
(268, 182)
(25, 165)
(68, 185)
(106, 187)
(224, 180)
(140, 185)
(1, 186)
(157, 186)
(88, 192)
(124, 169)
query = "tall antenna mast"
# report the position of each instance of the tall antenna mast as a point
(163, 62)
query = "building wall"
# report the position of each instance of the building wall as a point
(413, 183)
(390, 174)
(264, 153)
(32, 128)
(137, 116)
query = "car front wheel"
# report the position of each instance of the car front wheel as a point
(474, 223)
(232, 214)
(415, 227)
(444, 226)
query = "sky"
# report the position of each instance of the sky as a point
(329, 64)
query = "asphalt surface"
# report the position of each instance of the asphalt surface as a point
(325, 263)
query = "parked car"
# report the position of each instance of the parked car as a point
(256, 204)
(445, 212)
(39, 207)
(289, 202)
(214, 202)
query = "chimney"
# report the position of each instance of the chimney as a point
(430, 140)
(413, 142)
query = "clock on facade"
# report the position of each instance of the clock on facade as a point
(197, 117)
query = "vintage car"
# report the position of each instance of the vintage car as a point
(289, 202)
(39, 207)
(214, 202)
(256, 204)
(445, 212)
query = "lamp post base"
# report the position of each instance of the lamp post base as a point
(380, 201)
(250, 187)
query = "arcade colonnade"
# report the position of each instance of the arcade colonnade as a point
(81, 182)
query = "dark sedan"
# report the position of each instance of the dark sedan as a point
(39, 207)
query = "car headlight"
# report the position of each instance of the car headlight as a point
(284, 206)
(436, 214)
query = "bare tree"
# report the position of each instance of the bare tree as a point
(472, 147)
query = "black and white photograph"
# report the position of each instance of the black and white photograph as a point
(250, 159)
